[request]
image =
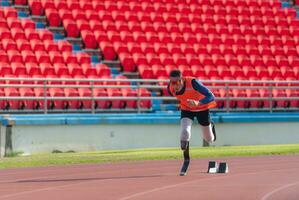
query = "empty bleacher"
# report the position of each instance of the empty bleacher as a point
(208, 39)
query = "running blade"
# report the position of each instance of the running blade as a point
(184, 168)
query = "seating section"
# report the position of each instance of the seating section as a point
(208, 39)
(29, 52)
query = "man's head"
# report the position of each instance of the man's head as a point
(176, 80)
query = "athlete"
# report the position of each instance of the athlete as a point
(195, 101)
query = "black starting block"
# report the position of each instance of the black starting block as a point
(214, 167)
(223, 167)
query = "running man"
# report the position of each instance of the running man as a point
(195, 101)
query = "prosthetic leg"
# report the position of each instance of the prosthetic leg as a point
(185, 148)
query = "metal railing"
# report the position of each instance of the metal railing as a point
(158, 87)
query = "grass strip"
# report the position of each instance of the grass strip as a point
(111, 156)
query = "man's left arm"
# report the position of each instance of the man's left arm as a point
(209, 96)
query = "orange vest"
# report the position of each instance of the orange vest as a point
(190, 93)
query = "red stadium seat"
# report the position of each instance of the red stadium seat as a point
(292, 103)
(41, 92)
(64, 46)
(83, 57)
(17, 33)
(56, 103)
(45, 34)
(28, 57)
(108, 50)
(69, 57)
(10, 12)
(279, 94)
(50, 45)
(11, 104)
(60, 69)
(158, 71)
(31, 34)
(42, 57)
(53, 17)
(27, 24)
(32, 69)
(89, 39)
(144, 93)
(36, 7)
(71, 28)
(47, 69)
(74, 103)
(74, 69)
(14, 56)
(60, 4)
(254, 93)
(47, 4)
(101, 104)
(27, 104)
(127, 62)
(86, 103)
(37, 45)
(145, 71)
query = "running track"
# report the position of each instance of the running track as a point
(250, 178)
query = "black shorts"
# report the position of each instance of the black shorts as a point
(203, 117)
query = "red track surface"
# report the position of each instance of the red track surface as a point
(263, 178)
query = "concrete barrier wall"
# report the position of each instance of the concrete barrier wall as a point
(91, 132)
(2, 140)
(37, 139)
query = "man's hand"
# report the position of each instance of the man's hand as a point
(192, 102)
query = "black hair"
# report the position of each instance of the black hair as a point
(175, 73)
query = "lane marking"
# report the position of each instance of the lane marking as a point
(195, 181)
(269, 194)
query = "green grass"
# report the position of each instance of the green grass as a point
(55, 159)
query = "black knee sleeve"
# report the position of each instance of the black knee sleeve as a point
(184, 145)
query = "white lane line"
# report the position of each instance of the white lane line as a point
(195, 181)
(269, 194)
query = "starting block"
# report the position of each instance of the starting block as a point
(214, 167)
(223, 167)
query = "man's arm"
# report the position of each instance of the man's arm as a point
(168, 89)
(203, 90)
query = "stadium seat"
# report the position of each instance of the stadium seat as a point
(89, 39)
(72, 104)
(53, 17)
(128, 92)
(85, 93)
(32, 69)
(74, 69)
(71, 28)
(36, 7)
(144, 93)
(101, 104)
(27, 104)
(57, 103)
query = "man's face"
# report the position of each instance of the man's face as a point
(176, 83)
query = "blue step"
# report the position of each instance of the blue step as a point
(285, 4)
(95, 59)
(58, 36)
(172, 107)
(39, 25)
(5, 3)
(22, 14)
(76, 47)
(114, 71)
